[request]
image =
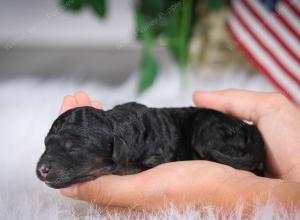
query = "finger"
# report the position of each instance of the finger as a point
(106, 190)
(69, 102)
(96, 104)
(244, 105)
(82, 99)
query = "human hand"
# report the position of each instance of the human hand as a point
(77, 100)
(277, 119)
(152, 188)
(180, 183)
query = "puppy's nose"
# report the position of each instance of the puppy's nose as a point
(44, 170)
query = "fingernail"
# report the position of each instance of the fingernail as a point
(70, 192)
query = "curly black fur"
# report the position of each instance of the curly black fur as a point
(84, 143)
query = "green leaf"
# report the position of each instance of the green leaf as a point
(72, 5)
(148, 70)
(99, 7)
(155, 14)
(151, 8)
(179, 31)
(148, 64)
(215, 5)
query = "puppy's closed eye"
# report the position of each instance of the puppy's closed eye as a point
(71, 148)
(69, 144)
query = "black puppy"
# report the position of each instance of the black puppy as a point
(85, 143)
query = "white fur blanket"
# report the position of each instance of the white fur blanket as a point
(29, 106)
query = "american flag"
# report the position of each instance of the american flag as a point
(268, 33)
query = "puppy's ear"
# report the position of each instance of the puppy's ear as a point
(153, 161)
(121, 151)
(156, 159)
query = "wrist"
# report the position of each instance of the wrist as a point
(285, 193)
(251, 191)
(293, 174)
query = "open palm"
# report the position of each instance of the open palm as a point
(179, 183)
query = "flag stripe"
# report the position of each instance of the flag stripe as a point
(266, 41)
(286, 40)
(293, 7)
(287, 18)
(291, 12)
(263, 62)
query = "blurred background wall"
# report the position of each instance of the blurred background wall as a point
(40, 38)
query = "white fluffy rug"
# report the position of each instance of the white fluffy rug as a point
(29, 106)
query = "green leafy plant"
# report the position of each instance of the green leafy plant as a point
(169, 20)
(98, 6)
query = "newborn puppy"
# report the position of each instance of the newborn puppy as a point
(85, 143)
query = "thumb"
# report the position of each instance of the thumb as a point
(242, 104)
(110, 189)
